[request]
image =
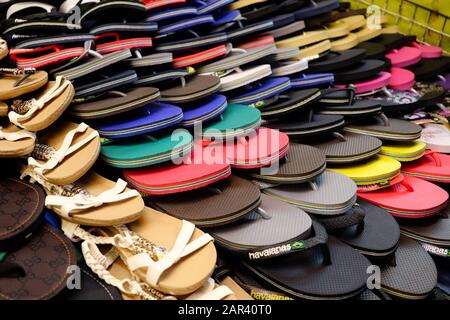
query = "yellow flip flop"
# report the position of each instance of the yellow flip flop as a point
(376, 170)
(403, 151)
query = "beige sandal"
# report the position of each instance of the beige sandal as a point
(17, 82)
(163, 253)
(15, 142)
(40, 112)
(65, 152)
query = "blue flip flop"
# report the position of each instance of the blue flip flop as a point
(153, 117)
(260, 91)
(203, 110)
(315, 8)
(172, 13)
(312, 80)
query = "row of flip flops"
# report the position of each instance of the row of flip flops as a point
(231, 116)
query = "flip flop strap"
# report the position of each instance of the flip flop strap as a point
(65, 150)
(91, 254)
(15, 136)
(79, 202)
(180, 249)
(209, 292)
(24, 110)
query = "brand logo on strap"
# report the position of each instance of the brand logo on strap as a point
(276, 251)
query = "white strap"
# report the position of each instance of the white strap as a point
(60, 85)
(65, 150)
(207, 292)
(15, 136)
(28, 4)
(180, 249)
(79, 202)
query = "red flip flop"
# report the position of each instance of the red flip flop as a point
(258, 149)
(401, 79)
(404, 57)
(44, 56)
(198, 170)
(411, 198)
(263, 41)
(428, 51)
(153, 4)
(432, 166)
(120, 44)
(203, 56)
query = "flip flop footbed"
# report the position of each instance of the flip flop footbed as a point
(432, 166)
(436, 136)
(16, 142)
(10, 90)
(404, 151)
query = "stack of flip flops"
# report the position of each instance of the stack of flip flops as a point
(220, 149)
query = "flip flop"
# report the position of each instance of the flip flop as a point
(431, 232)
(369, 229)
(236, 58)
(404, 57)
(203, 110)
(152, 117)
(128, 28)
(365, 69)
(40, 112)
(286, 68)
(402, 280)
(402, 79)
(146, 150)
(21, 212)
(241, 78)
(443, 277)
(260, 148)
(386, 129)
(254, 94)
(330, 193)
(307, 125)
(336, 60)
(240, 30)
(312, 80)
(186, 40)
(197, 172)
(65, 152)
(429, 69)
(436, 136)
(410, 198)
(15, 142)
(25, 271)
(377, 169)
(179, 247)
(192, 89)
(374, 84)
(237, 120)
(315, 8)
(252, 237)
(432, 166)
(297, 275)
(192, 22)
(290, 101)
(302, 163)
(404, 151)
(347, 148)
(150, 5)
(115, 103)
(171, 13)
(227, 201)
(16, 82)
(95, 201)
(112, 41)
(428, 51)
(287, 30)
(374, 50)
(201, 57)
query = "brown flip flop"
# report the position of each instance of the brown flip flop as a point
(38, 270)
(40, 112)
(21, 209)
(95, 201)
(191, 89)
(65, 152)
(15, 142)
(112, 104)
(166, 254)
(17, 82)
(221, 203)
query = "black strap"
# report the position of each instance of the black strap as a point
(349, 219)
(338, 93)
(11, 270)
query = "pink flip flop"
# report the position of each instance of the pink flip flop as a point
(404, 57)
(401, 79)
(428, 51)
(382, 80)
